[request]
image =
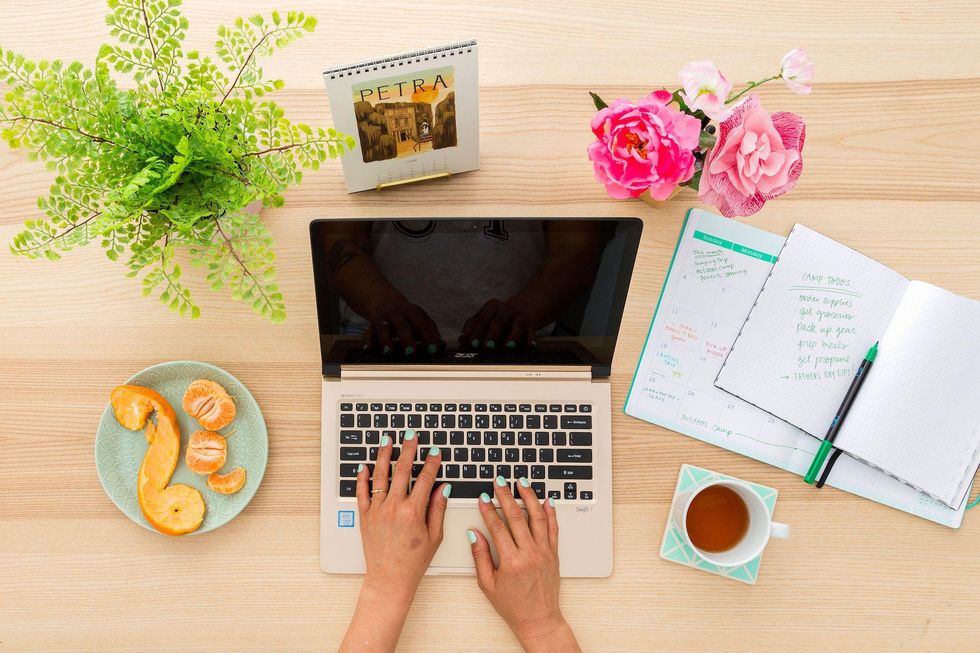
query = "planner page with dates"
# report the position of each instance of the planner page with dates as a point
(718, 269)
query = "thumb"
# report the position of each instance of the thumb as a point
(437, 510)
(480, 549)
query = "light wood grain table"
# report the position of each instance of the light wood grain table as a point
(891, 168)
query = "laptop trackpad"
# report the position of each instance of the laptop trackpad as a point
(454, 555)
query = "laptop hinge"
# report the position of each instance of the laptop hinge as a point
(577, 373)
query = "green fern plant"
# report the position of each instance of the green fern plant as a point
(172, 163)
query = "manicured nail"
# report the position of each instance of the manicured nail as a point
(475, 342)
(386, 350)
(501, 481)
(409, 435)
(511, 344)
(360, 467)
(447, 490)
(385, 440)
(409, 350)
(365, 347)
(491, 344)
(525, 482)
(434, 451)
(534, 343)
(471, 536)
(485, 498)
(432, 349)
(551, 501)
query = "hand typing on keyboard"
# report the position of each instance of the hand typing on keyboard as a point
(401, 529)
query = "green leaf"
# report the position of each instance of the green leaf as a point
(707, 141)
(599, 102)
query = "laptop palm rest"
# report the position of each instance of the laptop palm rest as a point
(455, 554)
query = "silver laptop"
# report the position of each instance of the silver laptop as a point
(491, 338)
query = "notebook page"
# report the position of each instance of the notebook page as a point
(917, 416)
(819, 312)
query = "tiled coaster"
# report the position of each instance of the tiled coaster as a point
(674, 548)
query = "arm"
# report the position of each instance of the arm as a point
(401, 532)
(523, 587)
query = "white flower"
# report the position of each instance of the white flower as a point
(705, 88)
(796, 70)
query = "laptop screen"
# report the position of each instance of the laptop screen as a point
(535, 292)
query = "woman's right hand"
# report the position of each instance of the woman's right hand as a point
(398, 323)
(523, 587)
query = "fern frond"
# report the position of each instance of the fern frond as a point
(151, 33)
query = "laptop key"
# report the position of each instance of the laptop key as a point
(540, 408)
(431, 421)
(576, 421)
(405, 407)
(585, 495)
(362, 407)
(456, 438)
(541, 439)
(515, 422)
(546, 455)
(469, 471)
(473, 438)
(440, 437)
(486, 471)
(508, 438)
(551, 422)
(570, 471)
(346, 420)
(499, 422)
(461, 454)
(531, 456)
(503, 470)
(348, 470)
(537, 471)
(351, 437)
(495, 408)
(437, 408)
(353, 453)
(480, 408)
(375, 407)
(478, 455)
(452, 471)
(390, 408)
(482, 421)
(448, 421)
(555, 408)
(446, 453)
(525, 408)
(449, 408)
(554, 494)
(512, 455)
(571, 491)
(414, 421)
(510, 408)
(558, 439)
(465, 421)
(363, 421)
(574, 455)
(471, 489)
(495, 454)
(465, 408)
(538, 490)
(348, 488)
(524, 438)
(580, 439)
(520, 471)
(398, 421)
(585, 408)
(380, 421)
(346, 406)
(490, 438)
(373, 453)
(571, 408)
(421, 407)
(423, 437)
(533, 421)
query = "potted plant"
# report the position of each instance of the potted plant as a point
(170, 164)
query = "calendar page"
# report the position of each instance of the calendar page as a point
(718, 269)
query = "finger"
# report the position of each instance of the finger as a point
(536, 519)
(518, 335)
(480, 548)
(498, 529)
(499, 326)
(384, 336)
(403, 468)
(363, 491)
(478, 328)
(381, 470)
(515, 516)
(426, 479)
(426, 329)
(404, 330)
(552, 515)
(438, 503)
(370, 337)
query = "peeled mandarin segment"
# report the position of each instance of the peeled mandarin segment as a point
(209, 404)
(206, 452)
(174, 510)
(228, 483)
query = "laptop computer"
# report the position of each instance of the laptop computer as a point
(493, 339)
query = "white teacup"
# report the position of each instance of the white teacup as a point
(761, 525)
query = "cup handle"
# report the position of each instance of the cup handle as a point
(779, 529)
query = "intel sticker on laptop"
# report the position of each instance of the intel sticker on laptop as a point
(345, 519)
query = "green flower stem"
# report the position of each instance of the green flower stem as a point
(751, 86)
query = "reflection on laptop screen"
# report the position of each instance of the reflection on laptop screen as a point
(471, 291)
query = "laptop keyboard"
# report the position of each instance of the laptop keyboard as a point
(549, 444)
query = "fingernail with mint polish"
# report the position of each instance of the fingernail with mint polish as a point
(551, 501)
(409, 350)
(385, 440)
(409, 435)
(511, 344)
(501, 481)
(525, 482)
(433, 451)
(360, 467)
(386, 350)
(432, 349)
(365, 348)
(471, 536)
(485, 498)
(475, 342)
(447, 490)
(491, 344)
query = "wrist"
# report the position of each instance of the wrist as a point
(389, 595)
(550, 634)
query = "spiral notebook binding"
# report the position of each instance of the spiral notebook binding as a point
(413, 56)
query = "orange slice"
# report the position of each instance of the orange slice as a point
(209, 404)
(228, 483)
(206, 452)
(171, 509)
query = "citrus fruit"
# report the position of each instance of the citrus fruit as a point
(206, 452)
(209, 404)
(228, 483)
(173, 509)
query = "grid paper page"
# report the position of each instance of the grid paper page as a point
(819, 312)
(718, 268)
(918, 413)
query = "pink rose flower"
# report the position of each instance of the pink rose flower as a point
(705, 88)
(797, 71)
(643, 146)
(757, 157)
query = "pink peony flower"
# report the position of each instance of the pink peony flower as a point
(705, 88)
(757, 157)
(643, 146)
(797, 71)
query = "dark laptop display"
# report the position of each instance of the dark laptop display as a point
(470, 291)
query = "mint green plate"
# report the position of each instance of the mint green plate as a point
(119, 452)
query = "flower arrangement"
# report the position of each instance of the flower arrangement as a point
(172, 163)
(668, 140)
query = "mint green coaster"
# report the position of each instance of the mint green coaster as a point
(674, 548)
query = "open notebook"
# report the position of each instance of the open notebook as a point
(917, 416)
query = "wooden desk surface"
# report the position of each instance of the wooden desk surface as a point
(890, 168)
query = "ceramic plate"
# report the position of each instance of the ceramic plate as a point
(119, 452)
